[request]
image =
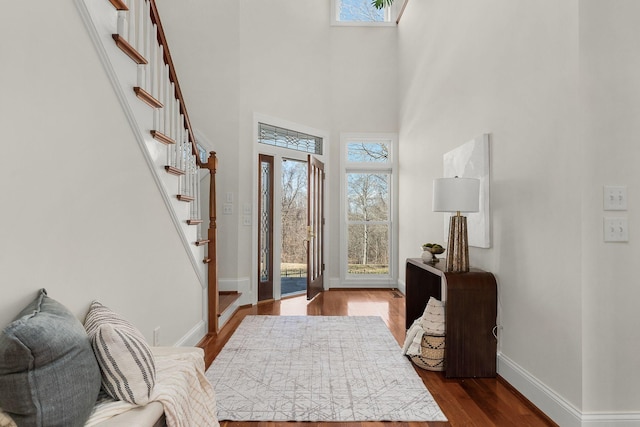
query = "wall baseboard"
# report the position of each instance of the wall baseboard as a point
(617, 419)
(336, 283)
(194, 336)
(547, 400)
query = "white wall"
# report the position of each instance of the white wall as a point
(81, 215)
(508, 68)
(511, 68)
(610, 100)
(279, 58)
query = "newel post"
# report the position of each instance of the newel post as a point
(212, 165)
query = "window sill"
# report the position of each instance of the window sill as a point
(362, 24)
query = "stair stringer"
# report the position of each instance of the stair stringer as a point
(100, 19)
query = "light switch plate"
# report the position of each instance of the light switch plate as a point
(615, 198)
(616, 229)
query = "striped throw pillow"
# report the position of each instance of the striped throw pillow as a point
(125, 360)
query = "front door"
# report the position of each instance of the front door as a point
(315, 227)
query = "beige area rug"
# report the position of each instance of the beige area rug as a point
(317, 368)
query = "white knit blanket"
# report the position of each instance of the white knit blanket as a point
(413, 340)
(181, 386)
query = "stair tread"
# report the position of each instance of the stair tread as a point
(174, 170)
(129, 50)
(226, 300)
(161, 137)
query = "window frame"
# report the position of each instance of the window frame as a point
(390, 167)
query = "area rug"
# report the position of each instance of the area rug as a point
(317, 368)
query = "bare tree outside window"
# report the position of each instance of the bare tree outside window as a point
(294, 218)
(360, 11)
(368, 209)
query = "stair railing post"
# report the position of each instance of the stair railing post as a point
(212, 165)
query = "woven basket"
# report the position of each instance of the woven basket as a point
(432, 349)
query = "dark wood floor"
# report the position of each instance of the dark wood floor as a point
(465, 402)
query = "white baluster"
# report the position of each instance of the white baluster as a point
(131, 27)
(146, 27)
(167, 97)
(181, 157)
(187, 177)
(153, 54)
(181, 132)
(173, 117)
(192, 173)
(197, 192)
(141, 80)
(140, 17)
(176, 119)
(123, 25)
(160, 82)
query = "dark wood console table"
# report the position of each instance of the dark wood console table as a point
(471, 304)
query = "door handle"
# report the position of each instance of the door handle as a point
(310, 234)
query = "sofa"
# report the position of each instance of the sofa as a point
(56, 371)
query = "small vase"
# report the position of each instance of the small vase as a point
(426, 256)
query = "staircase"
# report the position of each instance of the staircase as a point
(133, 48)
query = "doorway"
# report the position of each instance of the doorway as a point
(293, 227)
(290, 226)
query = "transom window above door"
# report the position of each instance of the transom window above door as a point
(291, 139)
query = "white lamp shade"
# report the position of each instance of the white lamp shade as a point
(456, 195)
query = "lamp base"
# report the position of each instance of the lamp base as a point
(458, 245)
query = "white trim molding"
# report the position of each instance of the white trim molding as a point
(193, 337)
(630, 419)
(555, 406)
(548, 401)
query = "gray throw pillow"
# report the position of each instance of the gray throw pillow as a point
(48, 372)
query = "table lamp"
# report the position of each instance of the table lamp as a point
(457, 195)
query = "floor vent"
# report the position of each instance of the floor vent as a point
(396, 294)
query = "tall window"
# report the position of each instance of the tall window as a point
(360, 12)
(368, 207)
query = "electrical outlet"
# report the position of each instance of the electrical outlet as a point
(616, 230)
(156, 336)
(246, 220)
(227, 209)
(615, 198)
